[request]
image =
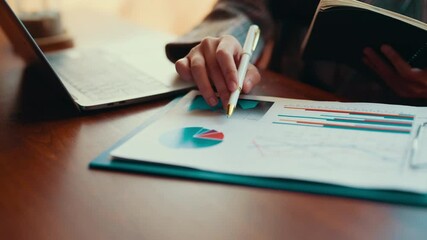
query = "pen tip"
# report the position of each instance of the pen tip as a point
(230, 109)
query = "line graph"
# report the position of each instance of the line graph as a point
(336, 150)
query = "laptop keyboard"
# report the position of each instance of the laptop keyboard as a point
(101, 76)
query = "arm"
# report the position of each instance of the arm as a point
(228, 17)
(406, 81)
(233, 17)
(211, 61)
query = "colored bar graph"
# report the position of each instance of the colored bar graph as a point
(345, 127)
(353, 120)
(384, 115)
(347, 120)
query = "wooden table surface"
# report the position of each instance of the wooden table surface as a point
(48, 191)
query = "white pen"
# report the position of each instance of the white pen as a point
(248, 48)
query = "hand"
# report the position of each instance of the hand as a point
(400, 76)
(214, 62)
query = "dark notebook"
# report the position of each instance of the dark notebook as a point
(341, 29)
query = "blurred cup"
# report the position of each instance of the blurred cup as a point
(42, 18)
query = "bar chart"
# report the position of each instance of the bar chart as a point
(346, 120)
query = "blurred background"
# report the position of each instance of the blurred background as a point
(173, 16)
(54, 23)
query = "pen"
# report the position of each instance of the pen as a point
(415, 145)
(248, 48)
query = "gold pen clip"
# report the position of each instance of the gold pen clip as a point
(256, 38)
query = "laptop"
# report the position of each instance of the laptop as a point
(125, 71)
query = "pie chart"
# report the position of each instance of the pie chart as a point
(192, 137)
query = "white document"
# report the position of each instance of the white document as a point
(360, 145)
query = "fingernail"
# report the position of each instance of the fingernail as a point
(248, 84)
(366, 50)
(213, 101)
(233, 86)
(385, 48)
(180, 60)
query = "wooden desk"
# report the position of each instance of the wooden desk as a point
(48, 192)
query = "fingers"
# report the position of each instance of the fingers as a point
(400, 77)
(399, 64)
(199, 73)
(252, 78)
(228, 50)
(182, 67)
(374, 61)
(212, 64)
(385, 71)
(208, 47)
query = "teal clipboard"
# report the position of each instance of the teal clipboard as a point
(104, 161)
